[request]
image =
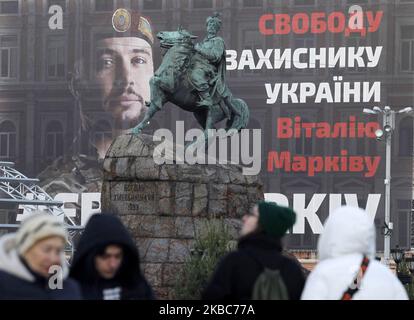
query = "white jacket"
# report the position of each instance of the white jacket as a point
(348, 234)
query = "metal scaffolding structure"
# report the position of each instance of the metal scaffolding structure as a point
(16, 188)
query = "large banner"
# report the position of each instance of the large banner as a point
(76, 74)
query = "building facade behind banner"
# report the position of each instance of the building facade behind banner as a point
(37, 117)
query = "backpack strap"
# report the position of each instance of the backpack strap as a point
(354, 287)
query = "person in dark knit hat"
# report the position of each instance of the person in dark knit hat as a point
(259, 247)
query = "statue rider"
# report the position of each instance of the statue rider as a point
(208, 73)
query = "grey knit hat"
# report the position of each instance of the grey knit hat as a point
(38, 226)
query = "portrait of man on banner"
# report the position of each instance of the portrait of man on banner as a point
(115, 84)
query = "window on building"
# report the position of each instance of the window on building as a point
(305, 42)
(202, 4)
(104, 5)
(405, 141)
(253, 124)
(56, 57)
(8, 56)
(61, 3)
(152, 4)
(412, 224)
(9, 7)
(354, 146)
(251, 41)
(54, 140)
(404, 212)
(303, 145)
(102, 132)
(357, 1)
(407, 48)
(372, 146)
(304, 2)
(355, 40)
(252, 3)
(8, 140)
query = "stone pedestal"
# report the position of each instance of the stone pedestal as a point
(165, 206)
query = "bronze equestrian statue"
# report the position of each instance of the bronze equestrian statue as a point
(193, 78)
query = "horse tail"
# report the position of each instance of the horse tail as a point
(238, 122)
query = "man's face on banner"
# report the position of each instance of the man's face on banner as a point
(124, 68)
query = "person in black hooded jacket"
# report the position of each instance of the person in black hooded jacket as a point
(259, 247)
(106, 262)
